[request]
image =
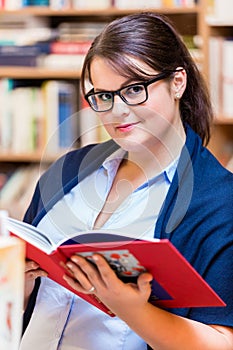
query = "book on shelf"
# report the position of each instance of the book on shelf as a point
(221, 75)
(18, 186)
(55, 61)
(176, 283)
(6, 86)
(215, 72)
(25, 30)
(70, 47)
(91, 4)
(227, 77)
(60, 106)
(12, 261)
(222, 10)
(26, 131)
(22, 55)
(79, 31)
(20, 61)
(137, 4)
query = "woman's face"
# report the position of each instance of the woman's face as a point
(150, 124)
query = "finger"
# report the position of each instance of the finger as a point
(107, 274)
(33, 274)
(144, 283)
(31, 265)
(77, 286)
(83, 271)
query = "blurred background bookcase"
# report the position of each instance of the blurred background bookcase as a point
(53, 38)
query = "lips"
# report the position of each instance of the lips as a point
(126, 127)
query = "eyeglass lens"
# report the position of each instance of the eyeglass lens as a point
(132, 95)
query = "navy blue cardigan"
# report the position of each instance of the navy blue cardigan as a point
(197, 215)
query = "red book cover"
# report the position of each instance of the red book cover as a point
(70, 47)
(176, 283)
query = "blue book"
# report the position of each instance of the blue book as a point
(67, 120)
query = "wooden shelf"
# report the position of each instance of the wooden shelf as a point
(37, 73)
(223, 120)
(112, 11)
(35, 157)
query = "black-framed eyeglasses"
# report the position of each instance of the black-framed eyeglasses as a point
(132, 95)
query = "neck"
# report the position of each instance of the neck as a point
(155, 158)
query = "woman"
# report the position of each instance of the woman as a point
(153, 179)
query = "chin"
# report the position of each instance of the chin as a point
(130, 145)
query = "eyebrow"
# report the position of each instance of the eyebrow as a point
(130, 81)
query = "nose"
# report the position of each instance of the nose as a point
(120, 107)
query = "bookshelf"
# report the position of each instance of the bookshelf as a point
(191, 21)
(217, 27)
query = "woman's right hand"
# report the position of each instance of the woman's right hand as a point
(32, 271)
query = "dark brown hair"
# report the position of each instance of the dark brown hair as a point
(151, 38)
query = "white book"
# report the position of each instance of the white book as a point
(72, 62)
(227, 77)
(215, 73)
(223, 10)
(91, 4)
(12, 257)
(137, 4)
(5, 114)
(50, 101)
(22, 120)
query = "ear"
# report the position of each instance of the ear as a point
(178, 83)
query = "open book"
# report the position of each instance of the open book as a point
(176, 283)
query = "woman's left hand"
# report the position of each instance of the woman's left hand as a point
(104, 283)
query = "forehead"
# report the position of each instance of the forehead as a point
(105, 72)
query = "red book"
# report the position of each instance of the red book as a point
(176, 283)
(70, 47)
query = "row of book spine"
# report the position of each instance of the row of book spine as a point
(59, 54)
(35, 117)
(221, 75)
(92, 4)
(50, 119)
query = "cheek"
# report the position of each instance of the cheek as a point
(105, 120)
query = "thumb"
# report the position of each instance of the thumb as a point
(143, 283)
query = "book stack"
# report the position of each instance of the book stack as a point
(72, 43)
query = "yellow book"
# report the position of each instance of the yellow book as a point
(12, 257)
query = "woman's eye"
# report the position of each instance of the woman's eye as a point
(134, 90)
(104, 97)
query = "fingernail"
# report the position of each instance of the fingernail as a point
(69, 265)
(74, 259)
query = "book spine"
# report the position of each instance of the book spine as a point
(67, 127)
(22, 61)
(81, 48)
(6, 86)
(24, 50)
(91, 4)
(215, 73)
(227, 71)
